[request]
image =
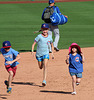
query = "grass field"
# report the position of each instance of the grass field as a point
(19, 21)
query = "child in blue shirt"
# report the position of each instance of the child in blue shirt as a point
(11, 57)
(42, 53)
(75, 60)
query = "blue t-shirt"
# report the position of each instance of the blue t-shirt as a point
(56, 9)
(75, 63)
(42, 44)
(10, 56)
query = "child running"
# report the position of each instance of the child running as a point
(11, 57)
(42, 53)
(75, 59)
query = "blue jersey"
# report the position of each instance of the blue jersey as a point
(10, 56)
(42, 44)
(75, 63)
(56, 9)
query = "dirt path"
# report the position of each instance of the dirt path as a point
(27, 82)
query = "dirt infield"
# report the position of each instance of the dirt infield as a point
(27, 82)
(13, 2)
(28, 79)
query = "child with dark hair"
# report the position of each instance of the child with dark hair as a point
(11, 57)
(75, 59)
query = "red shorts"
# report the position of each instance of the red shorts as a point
(13, 69)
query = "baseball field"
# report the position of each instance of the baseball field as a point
(18, 21)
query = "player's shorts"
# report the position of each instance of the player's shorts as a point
(43, 57)
(79, 75)
(13, 69)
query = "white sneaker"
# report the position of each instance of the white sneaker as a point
(77, 84)
(44, 83)
(50, 51)
(73, 93)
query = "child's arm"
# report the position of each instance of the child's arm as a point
(58, 11)
(67, 59)
(17, 58)
(52, 50)
(33, 45)
(83, 59)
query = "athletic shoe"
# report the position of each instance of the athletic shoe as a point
(77, 84)
(73, 93)
(55, 48)
(9, 90)
(6, 83)
(44, 83)
(50, 51)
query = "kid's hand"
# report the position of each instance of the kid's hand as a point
(52, 56)
(32, 53)
(9, 62)
(67, 57)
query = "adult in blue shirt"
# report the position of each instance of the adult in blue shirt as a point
(52, 28)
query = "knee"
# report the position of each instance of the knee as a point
(74, 80)
(11, 73)
(57, 34)
(78, 80)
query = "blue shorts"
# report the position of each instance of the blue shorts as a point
(79, 75)
(43, 57)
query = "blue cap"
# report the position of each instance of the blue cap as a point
(51, 1)
(45, 26)
(6, 44)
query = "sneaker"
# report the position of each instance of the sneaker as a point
(77, 84)
(73, 93)
(9, 90)
(50, 51)
(55, 48)
(44, 83)
(6, 83)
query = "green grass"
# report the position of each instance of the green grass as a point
(19, 21)
(80, 26)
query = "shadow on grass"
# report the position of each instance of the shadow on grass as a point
(26, 83)
(62, 92)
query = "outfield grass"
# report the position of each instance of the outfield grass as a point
(19, 21)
